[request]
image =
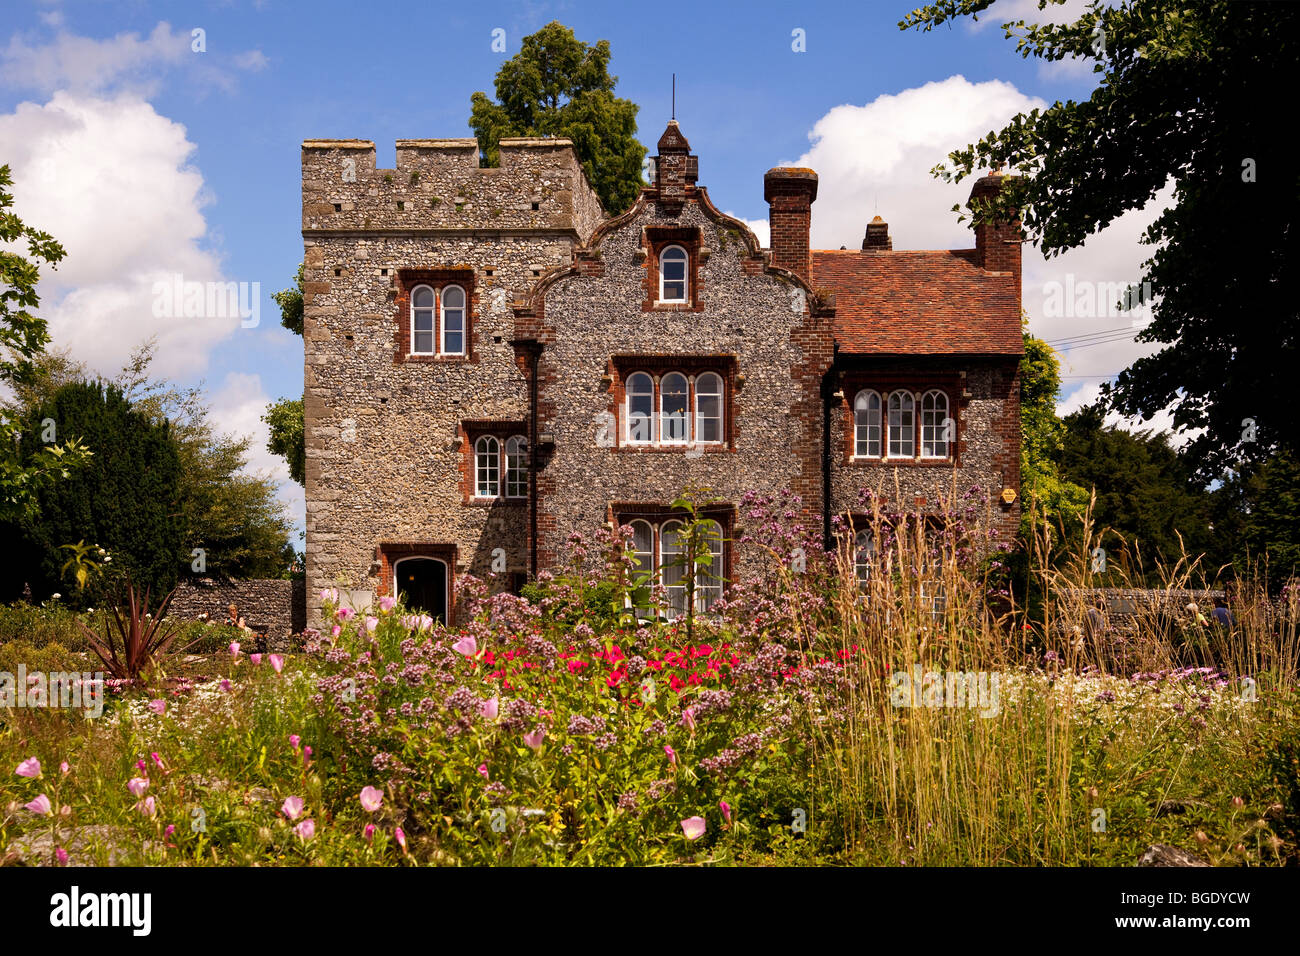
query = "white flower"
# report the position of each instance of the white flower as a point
(56, 595)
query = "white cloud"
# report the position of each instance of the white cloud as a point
(127, 61)
(111, 180)
(236, 408)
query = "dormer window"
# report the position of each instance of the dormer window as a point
(673, 283)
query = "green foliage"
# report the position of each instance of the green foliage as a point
(559, 86)
(285, 419)
(1258, 512)
(128, 501)
(1042, 440)
(23, 336)
(1145, 490)
(290, 302)
(1176, 100)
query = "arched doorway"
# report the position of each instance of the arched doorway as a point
(422, 584)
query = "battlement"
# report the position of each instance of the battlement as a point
(438, 184)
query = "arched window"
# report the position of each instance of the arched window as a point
(708, 407)
(487, 467)
(422, 309)
(640, 408)
(672, 566)
(902, 425)
(453, 320)
(935, 435)
(643, 565)
(674, 404)
(517, 467)
(672, 274)
(866, 425)
(708, 579)
(864, 556)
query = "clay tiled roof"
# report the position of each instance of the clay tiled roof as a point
(924, 302)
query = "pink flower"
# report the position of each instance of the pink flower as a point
(369, 833)
(64, 768)
(61, 855)
(292, 807)
(277, 662)
(40, 806)
(225, 686)
(171, 828)
(335, 631)
(158, 761)
(371, 798)
(688, 719)
(466, 645)
(305, 830)
(138, 785)
(489, 708)
(234, 648)
(483, 771)
(141, 766)
(31, 767)
(672, 755)
(330, 595)
(693, 827)
(306, 757)
(534, 739)
(726, 811)
(148, 806)
(294, 741)
(255, 658)
(401, 839)
(371, 624)
(387, 603)
(346, 614)
(158, 706)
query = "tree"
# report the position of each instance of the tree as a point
(285, 416)
(23, 336)
(1042, 436)
(1146, 492)
(127, 501)
(233, 516)
(1181, 98)
(1257, 514)
(559, 86)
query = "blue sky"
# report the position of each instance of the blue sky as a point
(149, 159)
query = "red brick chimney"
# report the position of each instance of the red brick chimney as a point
(877, 237)
(997, 245)
(790, 192)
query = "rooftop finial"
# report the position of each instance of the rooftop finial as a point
(674, 116)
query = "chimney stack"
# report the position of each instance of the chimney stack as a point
(997, 245)
(877, 237)
(790, 191)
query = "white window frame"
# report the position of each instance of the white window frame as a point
(464, 320)
(686, 275)
(721, 394)
(686, 413)
(864, 557)
(494, 460)
(863, 399)
(653, 416)
(516, 474)
(433, 317)
(932, 420)
(672, 612)
(889, 430)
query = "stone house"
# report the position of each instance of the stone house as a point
(492, 364)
